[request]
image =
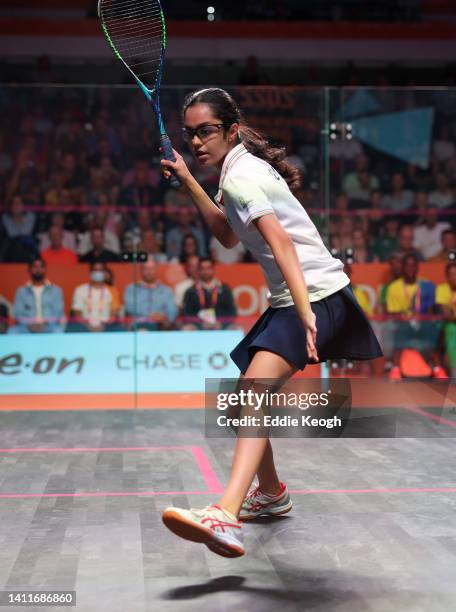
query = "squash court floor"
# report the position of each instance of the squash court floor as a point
(373, 527)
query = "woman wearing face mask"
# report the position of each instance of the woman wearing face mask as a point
(313, 315)
(92, 302)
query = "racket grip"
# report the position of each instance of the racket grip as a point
(167, 153)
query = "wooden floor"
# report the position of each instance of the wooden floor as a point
(373, 526)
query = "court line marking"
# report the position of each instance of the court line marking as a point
(213, 484)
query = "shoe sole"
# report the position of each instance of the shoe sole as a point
(250, 517)
(197, 533)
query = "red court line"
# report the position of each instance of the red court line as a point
(294, 491)
(432, 417)
(212, 482)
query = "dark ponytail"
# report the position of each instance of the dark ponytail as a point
(225, 108)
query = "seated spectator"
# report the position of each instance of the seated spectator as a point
(209, 300)
(142, 191)
(38, 305)
(150, 302)
(189, 247)
(92, 305)
(98, 252)
(5, 313)
(222, 255)
(18, 222)
(69, 240)
(144, 221)
(149, 245)
(358, 184)
(427, 236)
(57, 253)
(361, 252)
(175, 236)
(399, 199)
(395, 272)
(191, 266)
(411, 296)
(115, 303)
(405, 245)
(387, 242)
(75, 176)
(447, 246)
(446, 302)
(442, 197)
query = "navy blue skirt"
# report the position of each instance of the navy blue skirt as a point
(343, 332)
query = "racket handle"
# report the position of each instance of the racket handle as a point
(167, 153)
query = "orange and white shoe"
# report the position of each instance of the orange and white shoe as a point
(439, 372)
(213, 525)
(395, 373)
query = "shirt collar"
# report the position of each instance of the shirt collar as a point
(230, 160)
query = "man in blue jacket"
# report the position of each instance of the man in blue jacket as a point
(38, 305)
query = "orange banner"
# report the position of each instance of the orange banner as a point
(246, 280)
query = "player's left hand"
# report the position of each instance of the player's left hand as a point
(309, 321)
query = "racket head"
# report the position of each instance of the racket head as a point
(136, 32)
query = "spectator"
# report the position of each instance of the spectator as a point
(18, 222)
(442, 197)
(38, 305)
(448, 245)
(5, 310)
(446, 302)
(395, 272)
(209, 300)
(189, 247)
(399, 199)
(92, 305)
(98, 252)
(410, 297)
(150, 246)
(191, 266)
(361, 252)
(427, 237)
(68, 241)
(57, 253)
(176, 235)
(150, 302)
(387, 242)
(405, 246)
(115, 304)
(75, 177)
(358, 184)
(141, 192)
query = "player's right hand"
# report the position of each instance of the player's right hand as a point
(179, 168)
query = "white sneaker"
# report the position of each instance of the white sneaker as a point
(212, 525)
(258, 503)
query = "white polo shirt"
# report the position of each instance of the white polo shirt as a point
(251, 188)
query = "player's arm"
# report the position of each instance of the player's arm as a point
(212, 214)
(286, 258)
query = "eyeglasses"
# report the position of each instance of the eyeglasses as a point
(204, 132)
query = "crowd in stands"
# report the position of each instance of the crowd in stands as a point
(201, 301)
(80, 183)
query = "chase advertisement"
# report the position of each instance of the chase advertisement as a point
(146, 362)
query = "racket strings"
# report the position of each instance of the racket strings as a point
(136, 29)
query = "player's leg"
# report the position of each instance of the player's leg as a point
(249, 452)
